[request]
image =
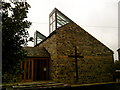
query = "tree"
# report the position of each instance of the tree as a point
(14, 35)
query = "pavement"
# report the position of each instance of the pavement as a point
(43, 85)
(34, 85)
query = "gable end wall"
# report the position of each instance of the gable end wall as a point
(96, 66)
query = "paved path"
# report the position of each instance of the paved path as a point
(35, 86)
(45, 85)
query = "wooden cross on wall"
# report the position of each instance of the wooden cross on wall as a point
(76, 63)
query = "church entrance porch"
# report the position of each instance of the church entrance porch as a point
(41, 70)
(35, 69)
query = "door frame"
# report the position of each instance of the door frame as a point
(31, 70)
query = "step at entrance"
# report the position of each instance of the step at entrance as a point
(39, 85)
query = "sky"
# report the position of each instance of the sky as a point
(98, 17)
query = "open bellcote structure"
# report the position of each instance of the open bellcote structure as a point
(57, 19)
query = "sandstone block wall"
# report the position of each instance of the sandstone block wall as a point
(96, 66)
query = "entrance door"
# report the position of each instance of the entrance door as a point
(27, 70)
(41, 70)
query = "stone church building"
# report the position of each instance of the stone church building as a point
(69, 54)
(118, 54)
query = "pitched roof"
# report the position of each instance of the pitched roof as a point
(36, 52)
(67, 25)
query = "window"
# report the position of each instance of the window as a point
(38, 37)
(57, 19)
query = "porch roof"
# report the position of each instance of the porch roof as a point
(37, 52)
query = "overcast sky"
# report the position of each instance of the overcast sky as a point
(98, 17)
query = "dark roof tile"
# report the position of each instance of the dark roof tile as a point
(36, 52)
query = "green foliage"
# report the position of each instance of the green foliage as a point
(14, 35)
(10, 78)
(117, 65)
